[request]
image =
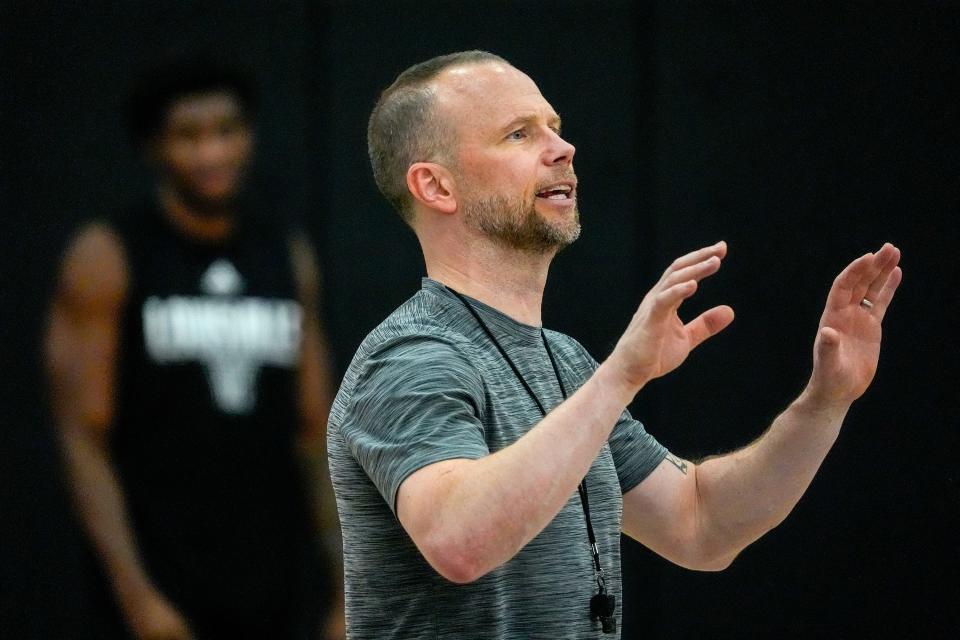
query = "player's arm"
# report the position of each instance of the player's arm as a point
(80, 355)
(702, 515)
(314, 396)
(314, 384)
(469, 516)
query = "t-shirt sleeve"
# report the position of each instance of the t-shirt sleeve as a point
(417, 401)
(635, 452)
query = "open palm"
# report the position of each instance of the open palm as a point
(847, 346)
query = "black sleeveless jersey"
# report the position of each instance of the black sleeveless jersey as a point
(206, 423)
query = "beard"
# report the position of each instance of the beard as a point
(516, 224)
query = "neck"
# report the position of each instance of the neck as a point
(211, 224)
(508, 280)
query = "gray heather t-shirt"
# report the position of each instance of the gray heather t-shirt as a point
(428, 385)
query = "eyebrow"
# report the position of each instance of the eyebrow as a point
(553, 120)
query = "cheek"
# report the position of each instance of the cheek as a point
(513, 178)
(178, 156)
(513, 175)
(241, 147)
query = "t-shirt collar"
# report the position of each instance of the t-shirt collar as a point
(503, 326)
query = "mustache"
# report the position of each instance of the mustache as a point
(566, 175)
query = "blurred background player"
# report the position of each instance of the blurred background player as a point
(190, 379)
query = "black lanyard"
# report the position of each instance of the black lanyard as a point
(602, 605)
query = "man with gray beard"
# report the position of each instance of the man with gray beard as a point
(484, 466)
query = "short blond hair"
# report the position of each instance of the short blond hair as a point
(404, 127)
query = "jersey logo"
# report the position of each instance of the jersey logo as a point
(221, 278)
(232, 337)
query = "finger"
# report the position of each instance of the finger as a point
(708, 324)
(719, 249)
(885, 295)
(890, 261)
(697, 271)
(841, 293)
(848, 278)
(871, 272)
(668, 300)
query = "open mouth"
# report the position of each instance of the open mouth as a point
(559, 191)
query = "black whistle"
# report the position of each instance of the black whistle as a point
(602, 608)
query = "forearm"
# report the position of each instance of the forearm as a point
(488, 509)
(101, 506)
(742, 495)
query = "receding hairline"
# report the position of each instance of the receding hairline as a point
(411, 122)
(443, 94)
(435, 83)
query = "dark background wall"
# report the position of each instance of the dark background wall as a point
(802, 136)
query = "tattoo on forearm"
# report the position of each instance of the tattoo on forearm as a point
(678, 463)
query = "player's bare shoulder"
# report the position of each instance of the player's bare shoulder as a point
(94, 269)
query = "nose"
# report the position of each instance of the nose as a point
(559, 151)
(213, 148)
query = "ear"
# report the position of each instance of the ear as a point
(433, 186)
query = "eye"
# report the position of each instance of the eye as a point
(229, 128)
(185, 133)
(519, 134)
(227, 125)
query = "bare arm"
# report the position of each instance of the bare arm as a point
(702, 516)
(469, 516)
(314, 398)
(314, 384)
(81, 354)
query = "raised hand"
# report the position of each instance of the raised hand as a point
(657, 341)
(847, 346)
